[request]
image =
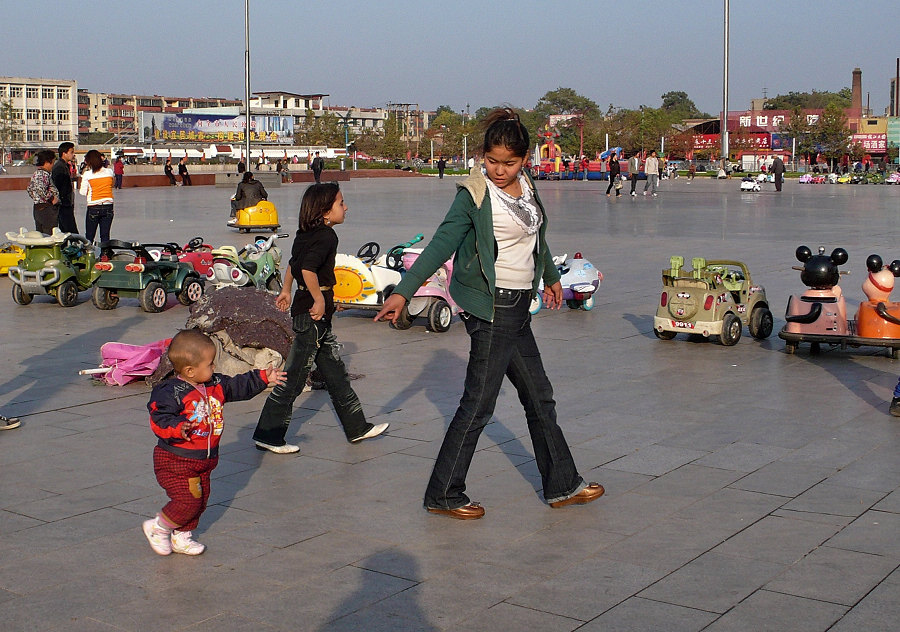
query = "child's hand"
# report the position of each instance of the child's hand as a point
(283, 300)
(317, 311)
(187, 428)
(275, 377)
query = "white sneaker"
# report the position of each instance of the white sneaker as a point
(374, 432)
(287, 448)
(633, 194)
(8, 423)
(654, 195)
(158, 537)
(182, 542)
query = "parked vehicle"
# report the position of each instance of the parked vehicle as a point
(579, 280)
(262, 216)
(60, 264)
(10, 255)
(716, 298)
(128, 269)
(255, 264)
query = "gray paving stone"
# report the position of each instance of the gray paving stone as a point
(650, 616)
(873, 532)
(834, 575)
(834, 499)
(765, 610)
(506, 616)
(713, 582)
(783, 479)
(878, 611)
(338, 534)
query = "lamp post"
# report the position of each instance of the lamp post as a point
(723, 124)
(247, 80)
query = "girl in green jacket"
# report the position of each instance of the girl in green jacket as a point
(495, 230)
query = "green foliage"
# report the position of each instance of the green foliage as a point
(392, 146)
(95, 138)
(8, 131)
(814, 100)
(327, 130)
(680, 105)
(832, 131)
(565, 101)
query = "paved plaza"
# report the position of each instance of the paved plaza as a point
(747, 489)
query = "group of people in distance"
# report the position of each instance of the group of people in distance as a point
(496, 218)
(52, 190)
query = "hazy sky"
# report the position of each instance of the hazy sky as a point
(369, 53)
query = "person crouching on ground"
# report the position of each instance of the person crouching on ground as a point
(186, 415)
(312, 264)
(496, 228)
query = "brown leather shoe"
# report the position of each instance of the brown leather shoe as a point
(472, 511)
(592, 492)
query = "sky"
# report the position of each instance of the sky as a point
(367, 53)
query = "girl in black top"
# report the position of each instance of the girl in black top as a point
(614, 170)
(312, 264)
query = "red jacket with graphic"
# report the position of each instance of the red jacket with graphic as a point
(175, 402)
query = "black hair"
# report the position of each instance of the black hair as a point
(43, 157)
(503, 128)
(64, 147)
(317, 200)
(248, 176)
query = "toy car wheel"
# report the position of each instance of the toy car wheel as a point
(588, 303)
(439, 316)
(20, 296)
(536, 304)
(663, 335)
(761, 323)
(571, 303)
(191, 291)
(731, 330)
(274, 284)
(103, 298)
(67, 293)
(404, 319)
(153, 297)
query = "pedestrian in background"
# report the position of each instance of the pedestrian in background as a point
(651, 168)
(118, 171)
(778, 172)
(614, 170)
(183, 172)
(44, 193)
(634, 169)
(62, 178)
(168, 171)
(97, 187)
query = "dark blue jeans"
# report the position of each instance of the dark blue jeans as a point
(313, 342)
(505, 346)
(98, 215)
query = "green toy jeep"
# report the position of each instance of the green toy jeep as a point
(60, 264)
(716, 298)
(128, 269)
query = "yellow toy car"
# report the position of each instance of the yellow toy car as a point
(263, 216)
(10, 255)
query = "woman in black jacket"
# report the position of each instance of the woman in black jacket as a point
(249, 193)
(614, 170)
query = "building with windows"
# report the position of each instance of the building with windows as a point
(44, 111)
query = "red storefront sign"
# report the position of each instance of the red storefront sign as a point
(876, 143)
(736, 141)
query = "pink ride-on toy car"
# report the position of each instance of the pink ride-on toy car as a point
(579, 279)
(432, 300)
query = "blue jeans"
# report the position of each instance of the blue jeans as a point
(507, 347)
(313, 342)
(98, 214)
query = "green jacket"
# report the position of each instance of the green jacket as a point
(467, 234)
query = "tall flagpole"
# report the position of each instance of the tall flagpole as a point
(724, 121)
(247, 82)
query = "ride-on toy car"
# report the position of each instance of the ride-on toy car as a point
(128, 269)
(10, 255)
(432, 300)
(195, 252)
(60, 264)
(579, 280)
(262, 216)
(716, 298)
(255, 264)
(365, 280)
(819, 315)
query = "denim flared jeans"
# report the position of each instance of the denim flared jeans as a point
(504, 347)
(314, 342)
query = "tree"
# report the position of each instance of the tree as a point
(814, 100)
(392, 146)
(678, 104)
(9, 135)
(565, 101)
(832, 133)
(800, 130)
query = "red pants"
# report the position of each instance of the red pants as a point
(186, 482)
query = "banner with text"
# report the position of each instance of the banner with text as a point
(157, 127)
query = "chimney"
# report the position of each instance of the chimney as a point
(856, 92)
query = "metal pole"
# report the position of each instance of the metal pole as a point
(724, 121)
(247, 81)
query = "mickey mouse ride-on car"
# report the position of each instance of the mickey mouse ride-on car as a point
(716, 298)
(128, 269)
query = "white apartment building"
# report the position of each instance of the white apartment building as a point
(298, 105)
(44, 111)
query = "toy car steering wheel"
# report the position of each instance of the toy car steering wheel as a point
(195, 244)
(394, 258)
(368, 252)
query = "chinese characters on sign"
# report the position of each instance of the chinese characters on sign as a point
(870, 142)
